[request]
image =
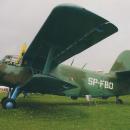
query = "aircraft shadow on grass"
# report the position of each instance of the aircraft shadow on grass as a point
(43, 105)
(58, 110)
(53, 110)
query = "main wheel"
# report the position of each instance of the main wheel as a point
(74, 97)
(119, 101)
(9, 103)
(3, 100)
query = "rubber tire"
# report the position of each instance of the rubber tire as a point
(74, 97)
(7, 101)
(119, 101)
(3, 99)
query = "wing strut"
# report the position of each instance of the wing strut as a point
(49, 60)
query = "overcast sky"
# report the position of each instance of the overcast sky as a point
(20, 21)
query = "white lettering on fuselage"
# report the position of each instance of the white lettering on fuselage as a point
(101, 83)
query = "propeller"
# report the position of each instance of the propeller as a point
(22, 51)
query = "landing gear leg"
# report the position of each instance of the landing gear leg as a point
(118, 100)
(9, 102)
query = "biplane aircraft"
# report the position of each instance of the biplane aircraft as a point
(67, 31)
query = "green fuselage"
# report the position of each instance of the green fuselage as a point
(87, 82)
(97, 84)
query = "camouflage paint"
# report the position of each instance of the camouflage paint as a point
(86, 82)
(12, 76)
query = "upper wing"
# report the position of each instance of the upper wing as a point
(67, 31)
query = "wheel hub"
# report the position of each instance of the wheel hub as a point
(9, 105)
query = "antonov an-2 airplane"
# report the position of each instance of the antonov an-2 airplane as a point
(67, 31)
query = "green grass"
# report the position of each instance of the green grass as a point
(46, 112)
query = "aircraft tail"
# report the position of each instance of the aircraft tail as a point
(122, 63)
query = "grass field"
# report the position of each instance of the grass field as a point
(48, 112)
